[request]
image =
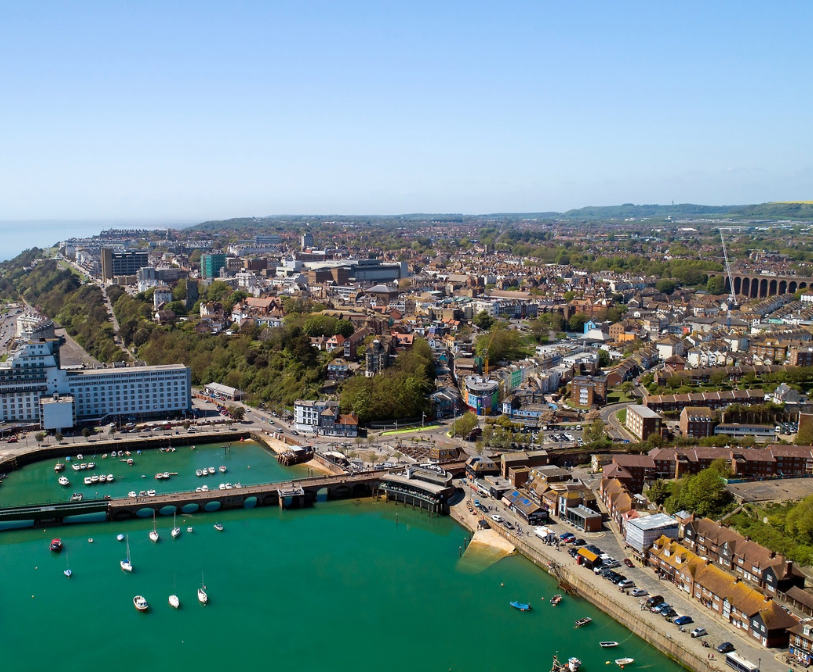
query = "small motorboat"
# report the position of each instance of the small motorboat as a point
(59, 467)
(56, 545)
(204, 488)
(131, 462)
(624, 661)
(222, 469)
(114, 454)
(140, 603)
(229, 486)
(80, 456)
(198, 489)
(238, 485)
(88, 481)
(91, 465)
(94, 479)
(198, 473)
(222, 486)
(190, 529)
(174, 602)
(83, 466)
(556, 599)
(63, 480)
(583, 621)
(151, 493)
(75, 467)
(211, 470)
(608, 645)
(68, 573)
(573, 664)
(77, 497)
(219, 527)
(110, 478)
(158, 477)
(132, 493)
(119, 537)
(165, 474)
(522, 606)
(104, 457)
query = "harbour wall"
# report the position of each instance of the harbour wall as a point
(58, 451)
(619, 611)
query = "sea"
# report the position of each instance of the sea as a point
(349, 585)
(17, 236)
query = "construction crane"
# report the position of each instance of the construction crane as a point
(732, 298)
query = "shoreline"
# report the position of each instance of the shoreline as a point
(609, 604)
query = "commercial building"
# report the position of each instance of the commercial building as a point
(210, 265)
(481, 395)
(115, 263)
(323, 417)
(643, 422)
(33, 388)
(761, 433)
(643, 531)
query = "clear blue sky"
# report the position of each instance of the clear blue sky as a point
(184, 111)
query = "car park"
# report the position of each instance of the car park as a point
(699, 632)
(638, 592)
(683, 620)
(725, 647)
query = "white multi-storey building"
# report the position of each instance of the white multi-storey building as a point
(32, 373)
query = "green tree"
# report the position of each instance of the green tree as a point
(483, 320)
(603, 358)
(715, 285)
(658, 492)
(666, 286)
(86, 432)
(577, 322)
(594, 431)
(464, 424)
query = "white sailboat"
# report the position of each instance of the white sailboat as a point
(154, 532)
(126, 565)
(176, 531)
(203, 598)
(67, 572)
(174, 602)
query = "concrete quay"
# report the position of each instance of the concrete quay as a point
(625, 609)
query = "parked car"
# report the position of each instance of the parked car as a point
(668, 612)
(654, 601)
(618, 578)
(594, 549)
(579, 542)
(497, 518)
(638, 592)
(725, 647)
(684, 620)
(699, 632)
(567, 537)
(508, 525)
(628, 562)
(626, 583)
(656, 609)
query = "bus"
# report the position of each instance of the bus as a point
(740, 664)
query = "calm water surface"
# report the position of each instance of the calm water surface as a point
(341, 586)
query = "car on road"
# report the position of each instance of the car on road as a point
(699, 632)
(725, 647)
(638, 592)
(294, 432)
(508, 525)
(683, 620)
(628, 562)
(497, 518)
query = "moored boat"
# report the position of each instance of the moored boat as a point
(140, 603)
(624, 661)
(198, 473)
(556, 599)
(573, 664)
(174, 602)
(68, 573)
(583, 621)
(119, 537)
(110, 478)
(190, 529)
(132, 493)
(75, 467)
(63, 480)
(608, 645)
(88, 481)
(77, 497)
(522, 606)
(126, 565)
(211, 470)
(219, 527)
(91, 465)
(222, 468)
(203, 598)
(154, 532)
(59, 467)
(56, 545)
(176, 531)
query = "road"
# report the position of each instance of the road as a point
(614, 428)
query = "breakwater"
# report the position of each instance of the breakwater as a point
(608, 603)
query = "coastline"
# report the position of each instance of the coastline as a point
(622, 612)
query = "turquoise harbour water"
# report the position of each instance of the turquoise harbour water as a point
(353, 585)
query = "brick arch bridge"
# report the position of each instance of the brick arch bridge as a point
(756, 286)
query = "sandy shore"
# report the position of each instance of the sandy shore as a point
(318, 466)
(492, 540)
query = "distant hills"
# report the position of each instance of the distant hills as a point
(796, 210)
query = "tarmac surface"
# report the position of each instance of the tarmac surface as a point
(780, 490)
